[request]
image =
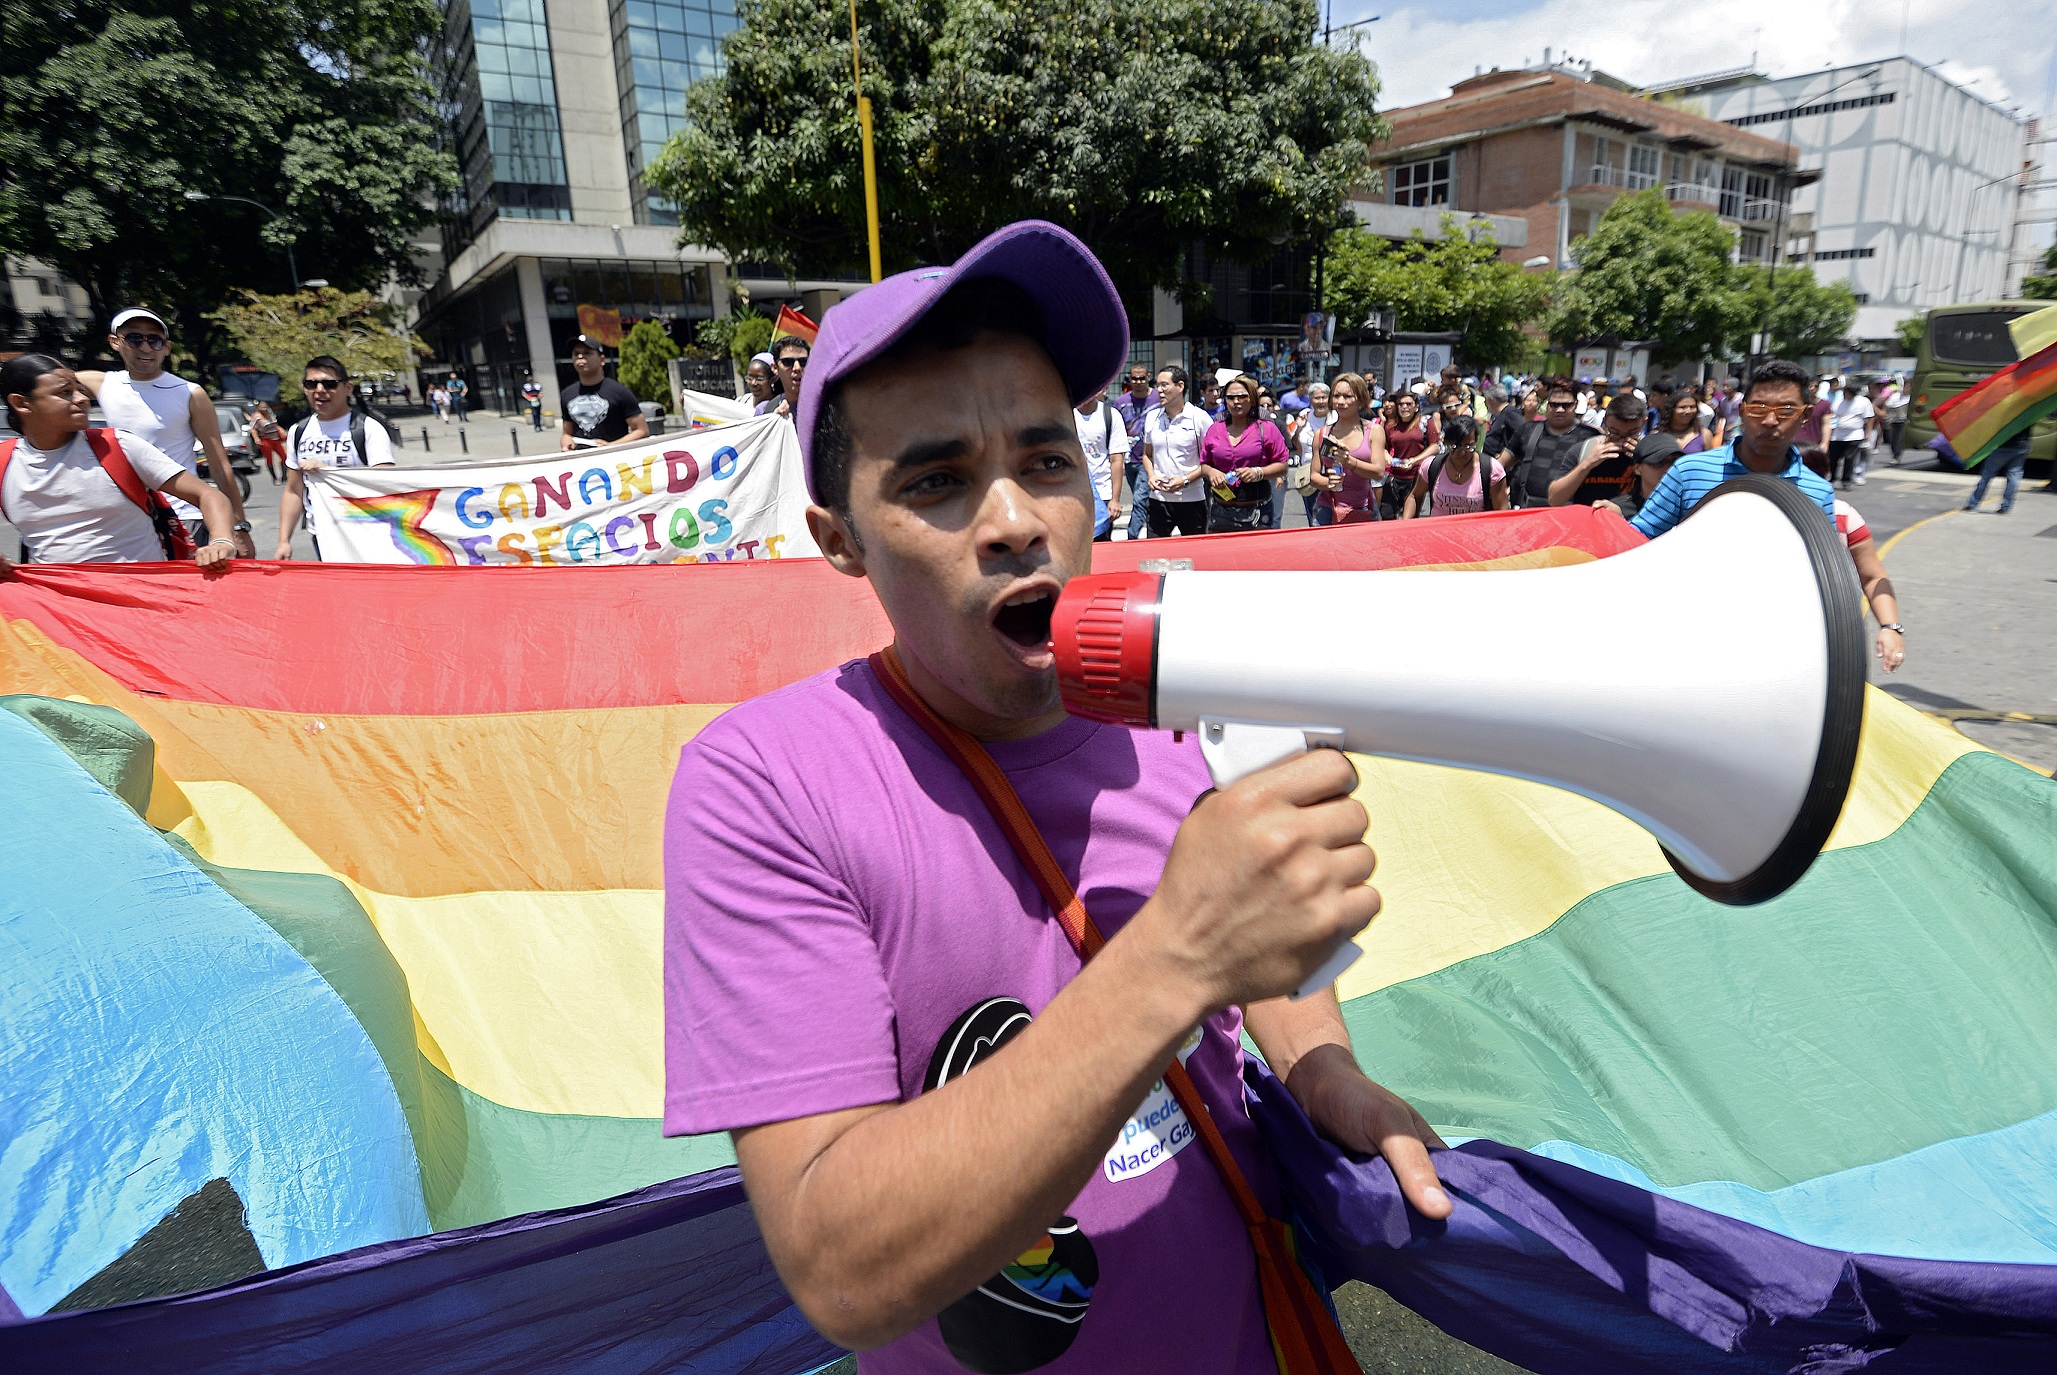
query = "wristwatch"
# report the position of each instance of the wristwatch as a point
(1894, 627)
(241, 527)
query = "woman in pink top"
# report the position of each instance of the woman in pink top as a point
(1347, 468)
(1451, 484)
(1240, 455)
(1404, 439)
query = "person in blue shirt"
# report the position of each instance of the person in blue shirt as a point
(1776, 402)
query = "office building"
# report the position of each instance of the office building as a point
(1557, 144)
(554, 112)
(1918, 181)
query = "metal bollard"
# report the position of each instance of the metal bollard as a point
(462, 442)
(424, 439)
(514, 435)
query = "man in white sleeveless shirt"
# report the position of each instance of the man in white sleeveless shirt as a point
(169, 412)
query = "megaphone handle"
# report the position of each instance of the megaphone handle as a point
(1236, 749)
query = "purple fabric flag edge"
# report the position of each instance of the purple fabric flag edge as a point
(673, 1276)
(1569, 1273)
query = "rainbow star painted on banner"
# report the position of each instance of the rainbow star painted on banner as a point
(404, 513)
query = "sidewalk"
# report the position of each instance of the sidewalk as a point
(1978, 595)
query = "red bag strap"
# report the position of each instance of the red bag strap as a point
(1304, 1335)
(107, 449)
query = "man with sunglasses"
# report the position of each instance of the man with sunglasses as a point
(169, 413)
(1777, 401)
(334, 436)
(789, 356)
(1556, 433)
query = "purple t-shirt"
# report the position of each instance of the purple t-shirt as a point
(846, 925)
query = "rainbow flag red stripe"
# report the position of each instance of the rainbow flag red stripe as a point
(792, 322)
(1979, 420)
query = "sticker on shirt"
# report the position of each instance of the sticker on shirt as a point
(1156, 1131)
(1027, 1315)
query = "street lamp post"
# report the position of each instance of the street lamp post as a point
(291, 266)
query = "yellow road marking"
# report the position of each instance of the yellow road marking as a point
(1887, 547)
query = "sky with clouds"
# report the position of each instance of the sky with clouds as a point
(2005, 50)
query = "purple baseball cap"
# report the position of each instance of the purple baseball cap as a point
(1085, 327)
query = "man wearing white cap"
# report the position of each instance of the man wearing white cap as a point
(169, 413)
(961, 1118)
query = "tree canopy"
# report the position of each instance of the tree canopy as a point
(280, 333)
(112, 110)
(1447, 283)
(644, 353)
(2042, 286)
(1648, 273)
(1799, 316)
(1139, 125)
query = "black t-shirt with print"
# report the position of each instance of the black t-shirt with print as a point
(600, 413)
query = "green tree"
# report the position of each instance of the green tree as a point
(648, 347)
(1446, 283)
(1139, 125)
(111, 111)
(2042, 286)
(1911, 331)
(1798, 315)
(738, 334)
(280, 333)
(1647, 273)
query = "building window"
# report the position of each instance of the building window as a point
(1751, 249)
(660, 48)
(1827, 108)
(1863, 298)
(498, 97)
(1731, 193)
(1643, 162)
(1837, 255)
(1422, 183)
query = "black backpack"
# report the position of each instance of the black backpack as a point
(1485, 486)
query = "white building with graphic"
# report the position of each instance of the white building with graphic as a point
(1921, 180)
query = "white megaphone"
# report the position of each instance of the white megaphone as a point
(1743, 627)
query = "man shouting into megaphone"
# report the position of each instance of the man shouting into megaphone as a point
(975, 1137)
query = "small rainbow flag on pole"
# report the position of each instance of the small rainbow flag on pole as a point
(792, 322)
(1979, 420)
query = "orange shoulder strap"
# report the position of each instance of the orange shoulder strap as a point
(1304, 1335)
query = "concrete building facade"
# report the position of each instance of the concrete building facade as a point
(1918, 181)
(1556, 145)
(554, 110)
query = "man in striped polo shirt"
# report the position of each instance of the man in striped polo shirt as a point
(1776, 402)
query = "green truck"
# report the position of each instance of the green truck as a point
(1960, 346)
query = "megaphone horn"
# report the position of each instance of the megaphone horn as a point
(1708, 685)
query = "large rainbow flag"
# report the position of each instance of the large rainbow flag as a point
(1980, 419)
(332, 1002)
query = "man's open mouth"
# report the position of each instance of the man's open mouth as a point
(1025, 617)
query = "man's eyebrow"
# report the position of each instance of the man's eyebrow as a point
(925, 451)
(1030, 436)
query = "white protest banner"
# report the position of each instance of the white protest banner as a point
(702, 409)
(730, 492)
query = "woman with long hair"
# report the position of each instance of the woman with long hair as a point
(1348, 468)
(1240, 456)
(1404, 439)
(1682, 422)
(91, 498)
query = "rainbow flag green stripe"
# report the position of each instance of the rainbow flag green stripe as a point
(1896, 1001)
